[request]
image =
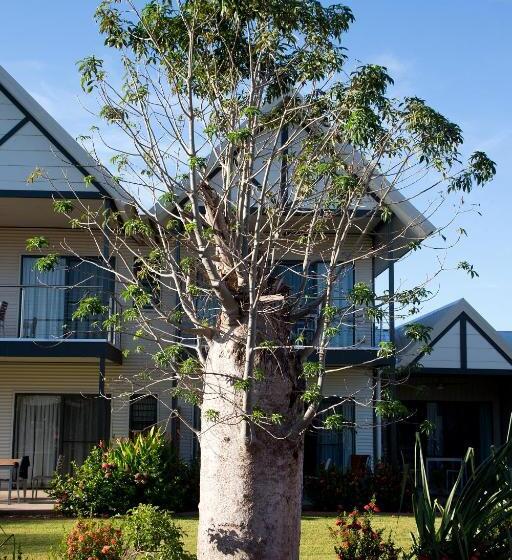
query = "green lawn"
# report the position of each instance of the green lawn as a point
(37, 536)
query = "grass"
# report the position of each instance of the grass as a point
(37, 536)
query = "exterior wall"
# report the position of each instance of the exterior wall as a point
(13, 247)
(27, 149)
(39, 377)
(481, 354)
(446, 351)
(72, 377)
(354, 383)
(357, 384)
(125, 380)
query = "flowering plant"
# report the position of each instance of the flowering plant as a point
(92, 540)
(355, 538)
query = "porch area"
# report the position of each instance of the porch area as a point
(26, 506)
(454, 412)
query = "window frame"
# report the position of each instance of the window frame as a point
(137, 398)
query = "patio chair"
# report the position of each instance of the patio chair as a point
(3, 312)
(22, 472)
(39, 483)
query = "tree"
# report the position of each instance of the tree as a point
(260, 154)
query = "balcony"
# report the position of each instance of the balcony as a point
(37, 322)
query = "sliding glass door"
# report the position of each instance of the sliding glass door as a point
(51, 426)
(50, 298)
(38, 421)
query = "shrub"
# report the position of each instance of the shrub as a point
(355, 538)
(476, 520)
(92, 540)
(114, 479)
(152, 534)
(333, 489)
(392, 492)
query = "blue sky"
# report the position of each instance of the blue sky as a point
(456, 54)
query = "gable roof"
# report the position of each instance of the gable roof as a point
(407, 223)
(460, 338)
(30, 137)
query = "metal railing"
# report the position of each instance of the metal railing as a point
(46, 313)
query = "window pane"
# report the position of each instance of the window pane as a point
(87, 421)
(37, 432)
(341, 289)
(143, 413)
(331, 447)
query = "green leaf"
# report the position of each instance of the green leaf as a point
(63, 206)
(37, 242)
(47, 263)
(88, 307)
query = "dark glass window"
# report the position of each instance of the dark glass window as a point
(328, 447)
(290, 275)
(149, 284)
(143, 413)
(49, 426)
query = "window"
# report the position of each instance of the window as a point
(51, 426)
(196, 423)
(291, 276)
(143, 413)
(325, 447)
(148, 283)
(345, 322)
(49, 299)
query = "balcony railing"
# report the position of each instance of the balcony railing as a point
(46, 313)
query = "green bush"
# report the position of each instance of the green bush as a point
(334, 489)
(151, 533)
(114, 479)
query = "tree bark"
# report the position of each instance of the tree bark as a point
(251, 491)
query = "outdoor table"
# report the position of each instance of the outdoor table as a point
(10, 465)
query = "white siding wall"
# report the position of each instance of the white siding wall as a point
(481, 354)
(27, 149)
(446, 351)
(125, 380)
(358, 384)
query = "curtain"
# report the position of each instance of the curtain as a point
(341, 288)
(86, 422)
(38, 421)
(42, 302)
(47, 310)
(86, 279)
(335, 447)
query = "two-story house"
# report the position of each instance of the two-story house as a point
(54, 369)
(55, 372)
